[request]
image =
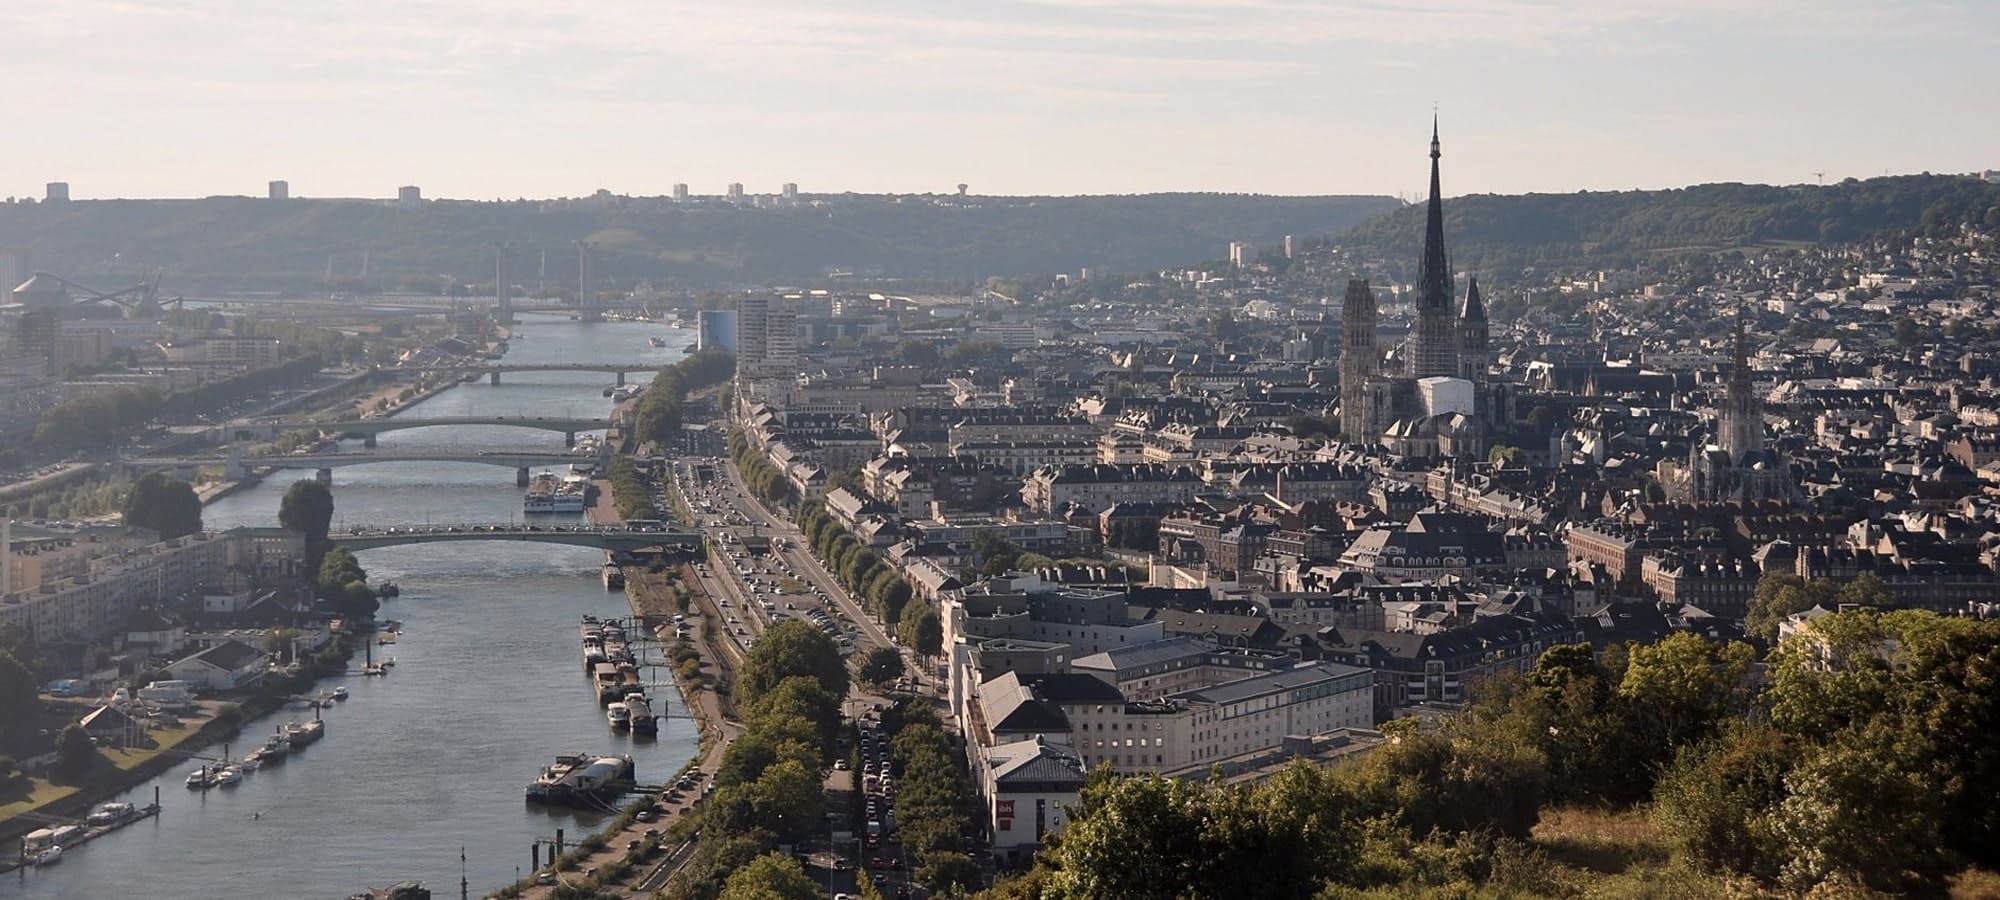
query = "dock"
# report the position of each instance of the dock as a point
(90, 832)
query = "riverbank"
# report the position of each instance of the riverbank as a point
(112, 778)
(634, 858)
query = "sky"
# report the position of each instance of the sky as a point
(488, 99)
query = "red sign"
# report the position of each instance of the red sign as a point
(1003, 808)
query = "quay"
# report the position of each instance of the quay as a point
(87, 833)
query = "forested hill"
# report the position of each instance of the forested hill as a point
(246, 242)
(1486, 231)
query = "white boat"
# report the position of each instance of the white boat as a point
(199, 778)
(250, 763)
(228, 776)
(276, 745)
(340, 693)
(619, 716)
(108, 814)
(49, 856)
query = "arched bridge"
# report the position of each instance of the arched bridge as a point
(369, 428)
(235, 465)
(605, 536)
(493, 371)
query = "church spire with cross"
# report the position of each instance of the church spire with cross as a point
(1434, 344)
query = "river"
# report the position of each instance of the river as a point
(488, 685)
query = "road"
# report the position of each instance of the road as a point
(799, 558)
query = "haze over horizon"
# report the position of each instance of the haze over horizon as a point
(486, 99)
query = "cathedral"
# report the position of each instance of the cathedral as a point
(1738, 466)
(1441, 403)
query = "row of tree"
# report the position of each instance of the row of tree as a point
(769, 787)
(658, 418)
(934, 801)
(98, 419)
(763, 479)
(867, 576)
(1864, 760)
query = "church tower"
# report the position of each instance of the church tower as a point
(1740, 430)
(1359, 363)
(1473, 336)
(1434, 342)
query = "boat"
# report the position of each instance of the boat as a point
(657, 341)
(619, 715)
(228, 776)
(199, 779)
(388, 589)
(49, 856)
(407, 890)
(300, 735)
(639, 711)
(248, 764)
(614, 577)
(551, 493)
(386, 639)
(106, 814)
(276, 745)
(340, 693)
(585, 780)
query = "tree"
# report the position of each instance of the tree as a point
(1712, 803)
(76, 754)
(791, 648)
(18, 701)
(163, 504)
(802, 698)
(772, 876)
(921, 631)
(1779, 595)
(790, 799)
(1503, 455)
(1853, 815)
(1687, 684)
(882, 666)
(307, 508)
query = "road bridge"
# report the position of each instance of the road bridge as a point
(368, 429)
(493, 371)
(602, 536)
(235, 465)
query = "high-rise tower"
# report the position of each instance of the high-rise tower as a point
(1473, 336)
(1434, 339)
(1359, 363)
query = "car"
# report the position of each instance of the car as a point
(546, 878)
(646, 815)
(840, 765)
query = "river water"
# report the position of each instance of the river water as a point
(488, 685)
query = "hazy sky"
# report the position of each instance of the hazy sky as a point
(536, 98)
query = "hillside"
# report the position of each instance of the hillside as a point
(234, 242)
(1492, 232)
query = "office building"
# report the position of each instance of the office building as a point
(736, 192)
(767, 334)
(681, 193)
(56, 192)
(280, 190)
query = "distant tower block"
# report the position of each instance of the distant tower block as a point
(503, 286)
(409, 195)
(680, 193)
(735, 192)
(1290, 247)
(790, 192)
(280, 190)
(586, 288)
(56, 192)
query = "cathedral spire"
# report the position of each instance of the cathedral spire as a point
(1434, 285)
(1435, 338)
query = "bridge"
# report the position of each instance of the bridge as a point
(606, 537)
(493, 371)
(370, 428)
(235, 465)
